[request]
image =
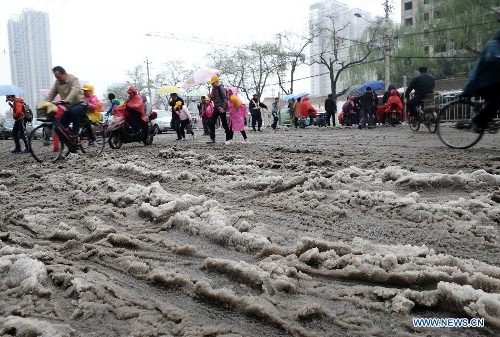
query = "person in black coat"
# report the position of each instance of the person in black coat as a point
(331, 109)
(367, 102)
(423, 84)
(254, 106)
(175, 123)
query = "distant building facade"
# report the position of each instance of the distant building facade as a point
(30, 53)
(320, 14)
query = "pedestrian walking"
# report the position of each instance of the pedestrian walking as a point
(331, 109)
(219, 99)
(204, 118)
(19, 127)
(275, 113)
(255, 111)
(237, 114)
(367, 102)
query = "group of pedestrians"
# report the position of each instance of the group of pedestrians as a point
(223, 102)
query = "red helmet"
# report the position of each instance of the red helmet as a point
(153, 115)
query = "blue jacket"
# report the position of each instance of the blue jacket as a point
(114, 103)
(486, 71)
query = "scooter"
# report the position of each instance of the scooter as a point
(119, 132)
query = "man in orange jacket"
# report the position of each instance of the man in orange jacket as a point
(19, 128)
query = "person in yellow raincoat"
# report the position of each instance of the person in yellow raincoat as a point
(94, 104)
(94, 108)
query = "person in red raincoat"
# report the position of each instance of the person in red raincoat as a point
(307, 110)
(133, 110)
(394, 99)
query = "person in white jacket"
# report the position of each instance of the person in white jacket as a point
(185, 119)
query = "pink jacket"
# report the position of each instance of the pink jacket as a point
(183, 113)
(237, 111)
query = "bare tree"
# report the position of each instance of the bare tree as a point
(248, 68)
(334, 48)
(175, 74)
(138, 78)
(290, 56)
(232, 66)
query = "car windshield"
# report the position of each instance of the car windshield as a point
(164, 114)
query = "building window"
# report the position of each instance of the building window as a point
(408, 6)
(426, 50)
(409, 22)
(437, 15)
(426, 2)
(426, 16)
(440, 48)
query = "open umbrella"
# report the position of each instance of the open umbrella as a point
(354, 91)
(302, 94)
(198, 77)
(288, 97)
(46, 92)
(168, 89)
(375, 85)
(10, 89)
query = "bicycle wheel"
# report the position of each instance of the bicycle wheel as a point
(45, 149)
(414, 123)
(89, 147)
(454, 127)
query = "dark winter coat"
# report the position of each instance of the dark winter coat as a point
(486, 71)
(423, 85)
(367, 99)
(330, 105)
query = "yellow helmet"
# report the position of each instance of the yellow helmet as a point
(214, 79)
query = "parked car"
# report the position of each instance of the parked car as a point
(444, 97)
(162, 122)
(285, 116)
(31, 126)
(6, 129)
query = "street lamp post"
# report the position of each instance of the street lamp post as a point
(387, 45)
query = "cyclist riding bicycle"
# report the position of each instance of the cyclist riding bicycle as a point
(484, 81)
(423, 84)
(68, 87)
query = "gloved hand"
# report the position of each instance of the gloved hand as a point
(221, 109)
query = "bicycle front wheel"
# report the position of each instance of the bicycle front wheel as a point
(414, 123)
(88, 146)
(45, 148)
(454, 127)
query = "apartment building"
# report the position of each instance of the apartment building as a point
(30, 53)
(419, 15)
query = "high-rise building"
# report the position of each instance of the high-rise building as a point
(30, 53)
(348, 27)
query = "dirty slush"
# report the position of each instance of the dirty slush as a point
(314, 232)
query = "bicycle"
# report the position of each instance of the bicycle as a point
(427, 116)
(454, 126)
(65, 142)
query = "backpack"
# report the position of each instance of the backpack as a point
(28, 114)
(346, 108)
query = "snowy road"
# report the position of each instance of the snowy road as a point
(314, 232)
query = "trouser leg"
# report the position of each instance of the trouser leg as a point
(259, 120)
(223, 120)
(16, 130)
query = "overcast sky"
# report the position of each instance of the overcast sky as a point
(99, 40)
